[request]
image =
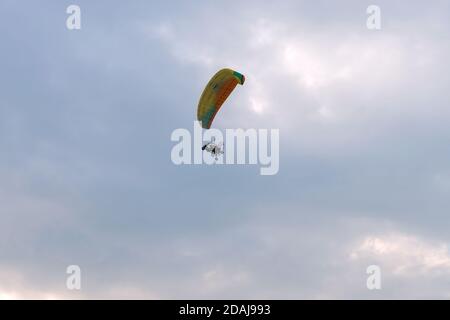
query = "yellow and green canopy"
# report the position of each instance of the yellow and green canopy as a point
(216, 92)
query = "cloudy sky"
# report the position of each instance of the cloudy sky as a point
(86, 176)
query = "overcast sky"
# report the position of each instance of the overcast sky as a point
(86, 176)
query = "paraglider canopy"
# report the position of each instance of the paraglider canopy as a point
(216, 92)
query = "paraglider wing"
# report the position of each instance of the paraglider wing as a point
(216, 92)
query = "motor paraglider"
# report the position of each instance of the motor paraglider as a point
(216, 92)
(215, 149)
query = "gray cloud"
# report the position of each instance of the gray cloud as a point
(86, 176)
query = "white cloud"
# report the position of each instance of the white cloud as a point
(219, 279)
(15, 286)
(330, 84)
(405, 255)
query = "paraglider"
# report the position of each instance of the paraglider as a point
(216, 92)
(213, 148)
